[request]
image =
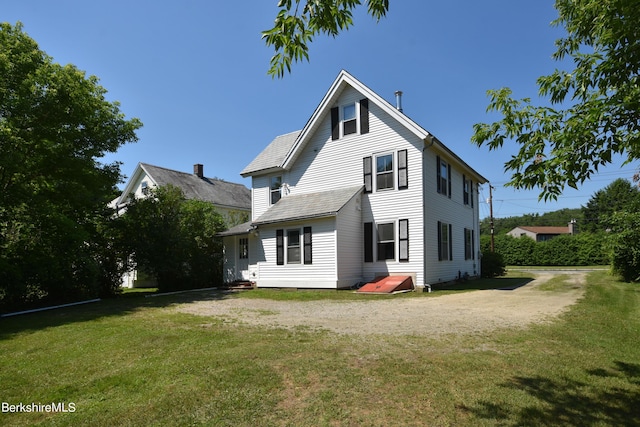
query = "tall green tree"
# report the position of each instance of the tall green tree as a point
(55, 125)
(299, 21)
(595, 107)
(173, 239)
(619, 196)
(624, 245)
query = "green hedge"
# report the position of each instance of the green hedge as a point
(581, 249)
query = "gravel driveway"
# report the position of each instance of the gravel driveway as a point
(464, 313)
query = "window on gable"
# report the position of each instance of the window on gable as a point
(144, 187)
(293, 246)
(349, 122)
(386, 241)
(350, 119)
(384, 172)
(276, 183)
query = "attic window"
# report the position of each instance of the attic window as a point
(349, 122)
(350, 119)
(144, 187)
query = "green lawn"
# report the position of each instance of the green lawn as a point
(134, 361)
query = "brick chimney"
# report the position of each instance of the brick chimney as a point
(198, 170)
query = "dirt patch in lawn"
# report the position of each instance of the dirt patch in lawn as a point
(463, 313)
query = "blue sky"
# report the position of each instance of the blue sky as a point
(194, 72)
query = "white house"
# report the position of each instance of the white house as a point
(361, 191)
(232, 200)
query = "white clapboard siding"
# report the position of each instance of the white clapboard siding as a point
(322, 273)
(349, 238)
(451, 211)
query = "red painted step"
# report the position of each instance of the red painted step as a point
(388, 284)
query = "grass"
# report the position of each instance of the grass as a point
(135, 361)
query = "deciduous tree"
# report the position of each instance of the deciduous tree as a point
(619, 196)
(594, 110)
(299, 21)
(173, 239)
(55, 125)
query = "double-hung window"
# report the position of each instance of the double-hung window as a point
(445, 246)
(468, 244)
(293, 246)
(386, 241)
(349, 122)
(443, 171)
(349, 119)
(467, 190)
(384, 172)
(275, 184)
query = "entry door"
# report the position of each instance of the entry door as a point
(242, 266)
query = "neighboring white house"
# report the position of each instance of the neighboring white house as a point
(232, 200)
(361, 191)
(542, 233)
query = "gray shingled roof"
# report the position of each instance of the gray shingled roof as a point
(216, 191)
(243, 228)
(305, 206)
(272, 156)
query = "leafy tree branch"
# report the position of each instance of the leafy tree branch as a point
(298, 22)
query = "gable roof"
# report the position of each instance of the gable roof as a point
(216, 191)
(546, 229)
(309, 205)
(272, 156)
(267, 160)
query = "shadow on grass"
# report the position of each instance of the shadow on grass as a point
(497, 283)
(120, 305)
(611, 396)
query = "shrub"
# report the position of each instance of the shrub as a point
(492, 264)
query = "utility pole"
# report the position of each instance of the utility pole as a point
(491, 216)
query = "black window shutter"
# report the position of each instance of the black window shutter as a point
(471, 192)
(308, 258)
(473, 244)
(368, 242)
(449, 178)
(335, 123)
(439, 241)
(364, 116)
(465, 195)
(403, 239)
(403, 178)
(450, 242)
(280, 247)
(439, 176)
(367, 172)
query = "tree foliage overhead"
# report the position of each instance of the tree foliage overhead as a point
(595, 107)
(299, 21)
(55, 125)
